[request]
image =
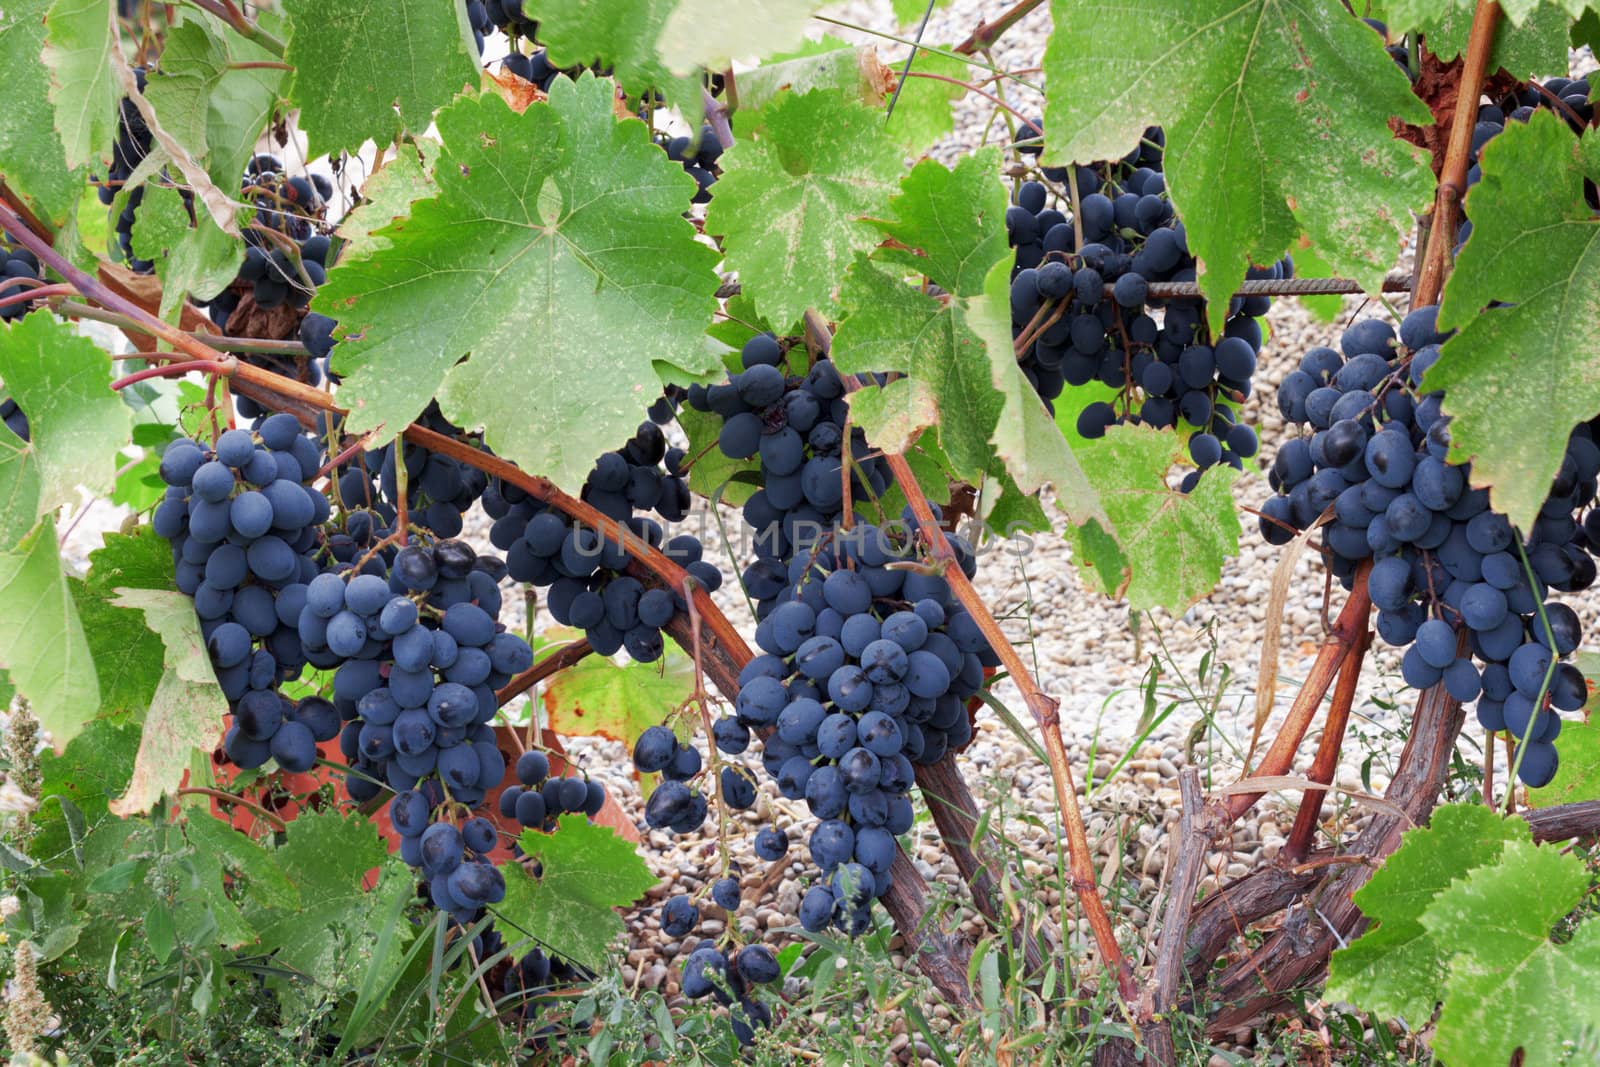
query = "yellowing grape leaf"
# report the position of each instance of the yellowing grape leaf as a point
(1171, 544)
(1276, 116)
(710, 34)
(556, 257)
(597, 697)
(797, 186)
(1518, 378)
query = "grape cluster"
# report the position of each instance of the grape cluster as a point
(1446, 568)
(538, 800)
(244, 527)
(16, 263)
(700, 163)
(795, 425)
(132, 145)
(583, 567)
(439, 489)
(1077, 332)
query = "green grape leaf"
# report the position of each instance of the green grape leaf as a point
(388, 196)
(597, 697)
(190, 257)
(138, 560)
(77, 424)
(127, 657)
(1510, 986)
(92, 770)
(81, 53)
(187, 709)
(796, 187)
(1519, 378)
(710, 35)
(556, 254)
(1397, 968)
(1402, 16)
(892, 327)
(854, 71)
(19, 487)
(326, 856)
(41, 638)
(31, 155)
(370, 70)
(1276, 115)
(911, 12)
(926, 109)
(1578, 772)
(254, 869)
(949, 224)
(1539, 44)
(1026, 438)
(1586, 31)
(1172, 544)
(622, 35)
(587, 871)
(892, 417)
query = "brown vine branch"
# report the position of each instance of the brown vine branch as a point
(1326, 761)
(1161, 997)
(1453, 175)
(985, 33)
(1043, 707)
(1350, 628)
(231, 798)
(554, 663)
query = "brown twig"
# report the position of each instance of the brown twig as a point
(1043, 707)
(1194, 837)
(1326, 761)
(1350, 628)
(218, 367)
(1453, 175)
(557, 661)
(985, 34)
(231, 798)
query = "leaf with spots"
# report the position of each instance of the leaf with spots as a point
(372, 70)
(586, 872)
(389, 194)
(81, 51)
(598, 697)
(41, 637)
(1538, 43)
(543, 294)
(804, 175)
(1518, 378)
(710, 34)
(1276, 115)
(1170, 544)
(949, 224)
(31, 154)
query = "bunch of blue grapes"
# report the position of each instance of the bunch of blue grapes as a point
(132, 145)
(794, 424)
(1168, 371)
(16, 263)
(538, 798)
(244, 526)
(583, 567)
(1450, 577)
(440, 489)
(698, 158)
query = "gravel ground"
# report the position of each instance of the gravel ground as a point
(1091, 653)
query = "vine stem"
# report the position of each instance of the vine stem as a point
(219, 367)
(1453, 175)
(1349, 631)
(985, 34)
(1326, 761)
(1044, 709)
(230, 798)
(969, 87)
(73, 310)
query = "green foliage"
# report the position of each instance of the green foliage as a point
(600, 698)
(41, 636)
(81, 53)
(555, 254)
(586, 871)
(31, 154)
(801, 179)
(622, 34)
(1465, 910)
(1168, 546)
(1259, 148)
(395, 64)
(388, 196)
(1519, 377)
